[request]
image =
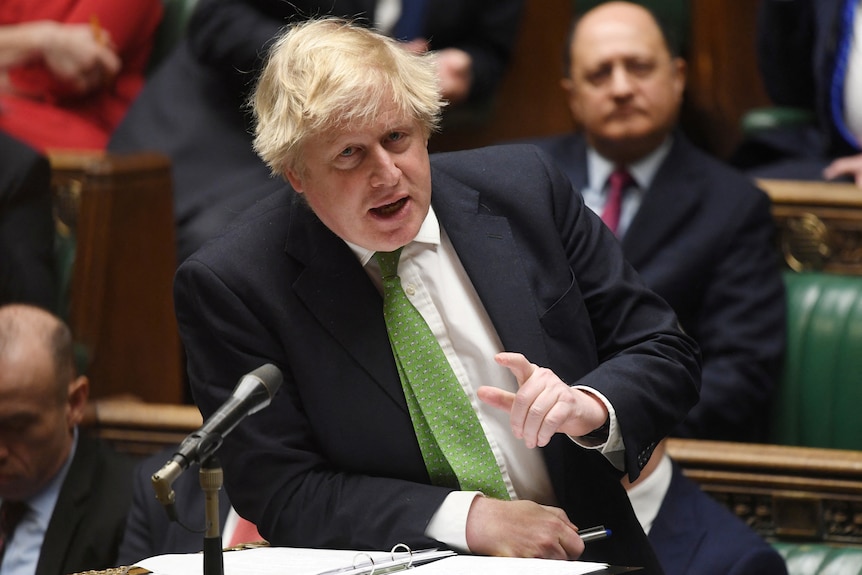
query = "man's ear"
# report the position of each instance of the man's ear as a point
(680, 69)
(79, 391)
(294, 179)
(568, 87)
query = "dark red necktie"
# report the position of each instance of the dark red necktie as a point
(11, 513)
(618, 182)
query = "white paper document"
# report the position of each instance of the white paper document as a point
(298, 561)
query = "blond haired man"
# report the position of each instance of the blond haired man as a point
(572, 368)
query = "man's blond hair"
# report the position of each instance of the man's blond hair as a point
(323, 74)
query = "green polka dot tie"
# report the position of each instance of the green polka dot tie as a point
(453, 444)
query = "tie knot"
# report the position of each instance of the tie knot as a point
(388, 262)
(619, 180)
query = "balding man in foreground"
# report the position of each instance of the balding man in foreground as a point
(63, 496)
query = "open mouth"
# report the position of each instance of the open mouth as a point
(390, 209)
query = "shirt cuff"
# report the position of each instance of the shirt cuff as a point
(613, 449)
(448, 525)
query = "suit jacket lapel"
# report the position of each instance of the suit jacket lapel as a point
(68, 512)
(338, 292)
(666, 205)
(487, 251)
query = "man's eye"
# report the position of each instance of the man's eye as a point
(641, 68)
(598, 76)
(395, 136)
(347, 152)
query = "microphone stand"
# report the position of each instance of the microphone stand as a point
(211, 479)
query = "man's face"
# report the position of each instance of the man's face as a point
(371, 185)
(624, 88)
(35, 426)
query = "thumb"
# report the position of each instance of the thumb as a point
(520, 367)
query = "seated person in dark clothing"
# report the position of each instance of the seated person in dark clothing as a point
(69, 493)
(26, 226)
(810, 61)
(690, 531)
(698, 232)
(149, 529)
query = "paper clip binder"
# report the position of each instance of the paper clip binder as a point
(401, 558)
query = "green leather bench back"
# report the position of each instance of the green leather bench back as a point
(819, 402)
(820, 559)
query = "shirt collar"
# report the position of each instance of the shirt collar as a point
(643, 171)
(429, 233)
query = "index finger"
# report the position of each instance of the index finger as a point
(519, 365)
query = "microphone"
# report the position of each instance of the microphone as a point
(254, 391)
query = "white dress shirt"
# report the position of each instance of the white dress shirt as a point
(438, 286)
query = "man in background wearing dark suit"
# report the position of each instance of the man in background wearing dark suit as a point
(568, 367)
(700, 235)
(68, 493)
(698, 232)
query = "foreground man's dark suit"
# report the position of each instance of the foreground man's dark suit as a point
(88, 520)
(333, 461)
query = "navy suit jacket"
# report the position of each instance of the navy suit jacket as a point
(333, 461)
(149, 531)
(703, 239)
(87, 524)
(693, 533)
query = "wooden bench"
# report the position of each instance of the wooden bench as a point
(115, 227)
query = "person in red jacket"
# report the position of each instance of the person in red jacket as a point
(69, 69)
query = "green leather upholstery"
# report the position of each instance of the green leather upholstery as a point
(821, 392)
(820, 559)
(759, 119)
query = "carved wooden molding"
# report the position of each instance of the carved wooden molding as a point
(819, 224)
(783, 492)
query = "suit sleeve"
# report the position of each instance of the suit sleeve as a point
(26, 229)
(276, 473)
(785, 46)
(604, 328)
(232, 35)
(489, 38)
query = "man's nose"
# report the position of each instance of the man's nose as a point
(621, 82)
(384, 171)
